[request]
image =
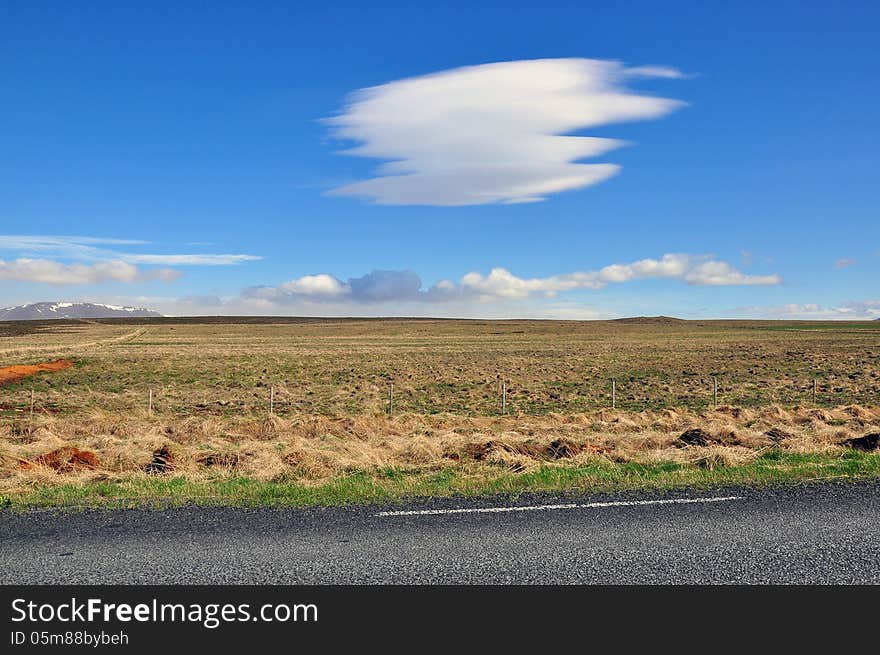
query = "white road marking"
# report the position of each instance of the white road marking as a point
(532, 508)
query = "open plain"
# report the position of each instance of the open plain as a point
(278, 411)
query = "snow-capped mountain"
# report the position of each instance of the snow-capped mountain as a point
(45, 310)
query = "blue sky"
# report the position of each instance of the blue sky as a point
(179, 156)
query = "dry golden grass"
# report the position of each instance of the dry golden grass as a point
(314, 449)
(211, 384)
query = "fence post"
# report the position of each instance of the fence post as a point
(815, 385)
(613, 393)
(715, 391)
(504, 397)
(271, 401)
(391, 399)
(150, 405)
(32, 407)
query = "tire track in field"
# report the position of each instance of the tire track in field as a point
(51, 350)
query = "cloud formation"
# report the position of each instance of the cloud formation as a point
(494, 133)
(374, 287)
(499, 283)
(48, 271)
(189, 260)
(101, 249)
(688, 268)
(91, 260)
(853, 310)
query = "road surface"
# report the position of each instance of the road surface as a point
(823, 533)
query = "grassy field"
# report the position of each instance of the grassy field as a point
(329, 438)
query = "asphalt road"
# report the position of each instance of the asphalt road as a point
(827, 533)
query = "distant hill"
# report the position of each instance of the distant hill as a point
(650, 320)
(43, 310)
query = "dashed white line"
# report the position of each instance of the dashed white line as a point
(533, 508)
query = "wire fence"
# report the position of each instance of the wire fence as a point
(499, 398)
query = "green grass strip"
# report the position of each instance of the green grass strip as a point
(395, 485)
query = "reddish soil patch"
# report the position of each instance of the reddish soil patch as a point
(64, 460)
(9, 374)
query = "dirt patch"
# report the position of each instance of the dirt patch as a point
(558, 449)
(562, 448)
(868, 442)
(64, 460)
(480, 452)
(163, 461)
(227, 460)
(650, 320)
(700, 437)
(10, 374)
(777, 435)
(694, 437)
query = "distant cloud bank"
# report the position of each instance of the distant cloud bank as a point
(499, 283)
(853, 310)
(48, 271)
(72, 260)
(494, 133)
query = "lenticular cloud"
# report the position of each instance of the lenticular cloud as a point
(494, 133)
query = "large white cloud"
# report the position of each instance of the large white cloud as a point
(315, 285)
(494, 133)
